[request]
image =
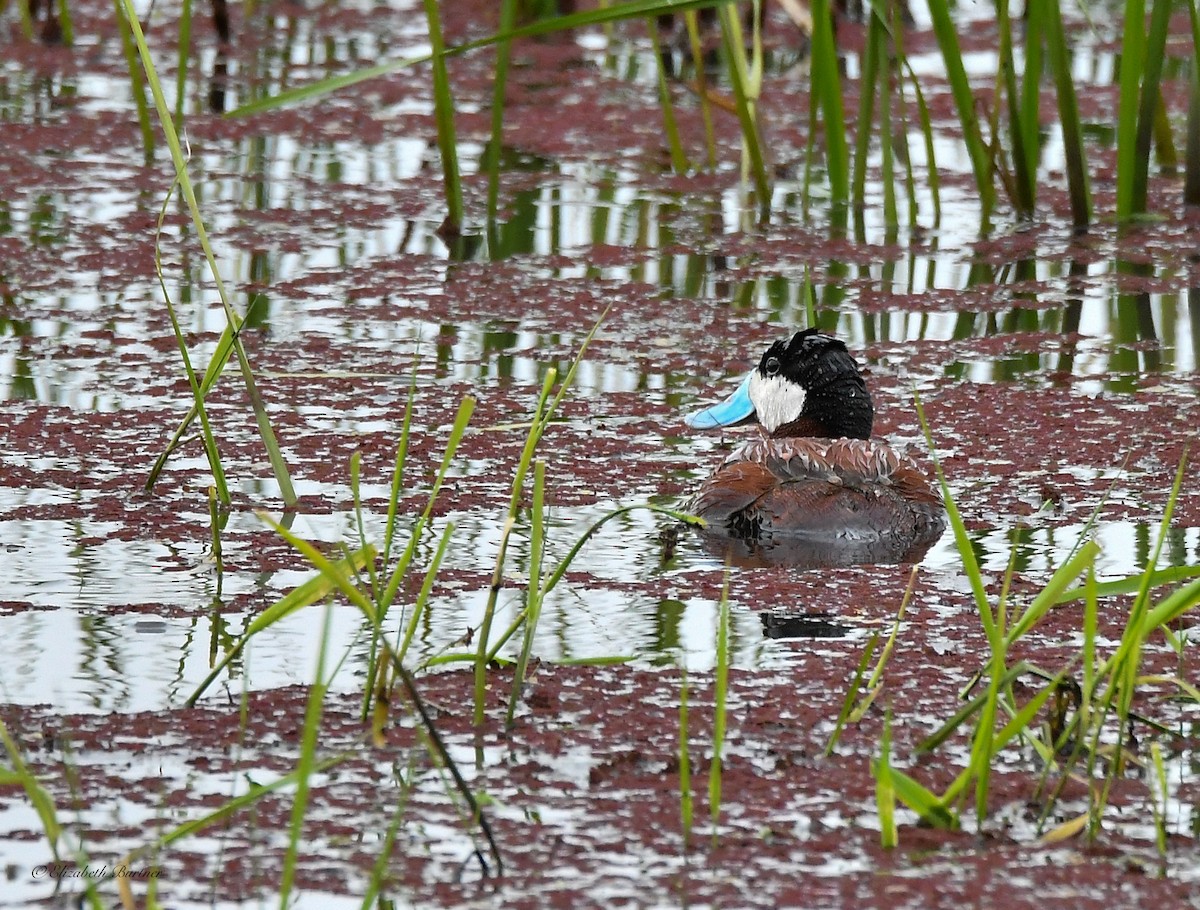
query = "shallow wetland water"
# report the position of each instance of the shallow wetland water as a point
(1056, 370)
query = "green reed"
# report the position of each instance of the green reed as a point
(1142, 55)
(443, 107)
(964, 101)
(995, 717)
(827, 96)
(1022, 109)
(230, 341)
(745, 82)
(19, 775)
(679, 162)
(305, 763)
(508, 19)
(1047, 19)
(1191, 187)
(211, 450)
(854, 707)
(137, 83)
(692, 23)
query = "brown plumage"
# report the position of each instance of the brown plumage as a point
(830, 497)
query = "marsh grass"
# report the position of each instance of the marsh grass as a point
(230, 342)
(1191, 186)
(1078, 734)
(1142, 119)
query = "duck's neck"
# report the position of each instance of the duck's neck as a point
(840, 409)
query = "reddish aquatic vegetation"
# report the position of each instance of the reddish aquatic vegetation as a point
(587, 783)
(590, 774)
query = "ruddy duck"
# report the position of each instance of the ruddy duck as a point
(814, 489)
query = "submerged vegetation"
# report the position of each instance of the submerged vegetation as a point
(1072, 719)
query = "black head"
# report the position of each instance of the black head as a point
(809, 385)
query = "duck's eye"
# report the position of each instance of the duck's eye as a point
(772, 366)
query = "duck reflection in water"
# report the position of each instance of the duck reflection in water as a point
(812, 489)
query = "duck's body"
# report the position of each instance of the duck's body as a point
(815, 478)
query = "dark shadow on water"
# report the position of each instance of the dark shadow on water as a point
(802, 625)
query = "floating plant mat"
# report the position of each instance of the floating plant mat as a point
(1057, 371)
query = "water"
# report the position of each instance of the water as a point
(332, 234)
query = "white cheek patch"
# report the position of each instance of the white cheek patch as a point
(776, 400)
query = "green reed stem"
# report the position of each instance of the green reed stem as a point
(891, 218)
(964, 101)
(533, 598)
(868, 86)
(233, 321)
(1050, 16)
(1022, 137)
(508, 18)
(1148, 107)
(679, 162)
(211, 450)
(885, 791)
(183, 59)
(543, 412)
(827, 88)
(1191, 180)
(337, 577)
(418, 609)
(443, 105)
(693, 30)
(633, 9)
(306, 764)
(744, 85)
(41, 801)
(137, 83)
(1133, 56)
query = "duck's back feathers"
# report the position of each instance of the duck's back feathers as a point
(846, 489)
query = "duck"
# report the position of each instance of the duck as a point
(812, 488)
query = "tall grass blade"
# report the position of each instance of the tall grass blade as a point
(851, 700)
(693, 31)
(1133, 61)
(211, 450)
(1191, 179)
(1148, 107)
(137, 82)
(533, 598)
(744, 85)
(679, 162)
(868, 83)
(508, 18)
(1050, 15)
(964, 101)
(266, 433)
(543, 412)
(885, 791)
(635, 9)
(891, 218)
(443, 106)
(305, 764)
(551, 582)
(312, 591)
(1022, 138)
(827, 87)
(42, 802)
(183, 59)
